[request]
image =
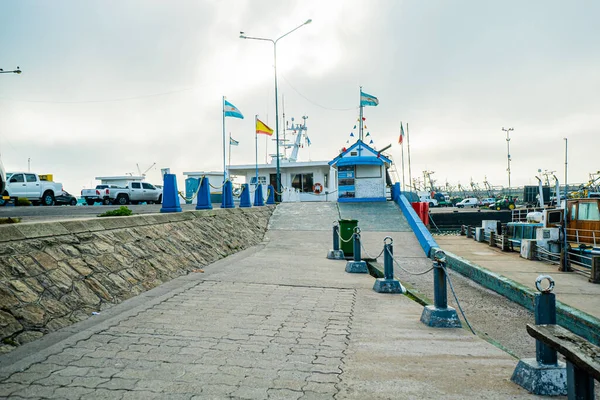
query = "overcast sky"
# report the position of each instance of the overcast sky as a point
(106, 85)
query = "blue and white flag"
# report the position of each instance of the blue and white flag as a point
(307, 141)
(367, 99)
(232, 111)
(233, 142)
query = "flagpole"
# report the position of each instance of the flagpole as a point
(408, 148)
(360, 127)
(402, 146)
(229, 163)
(224, 169)
(256, 147)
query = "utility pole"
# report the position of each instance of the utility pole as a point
(508, 153)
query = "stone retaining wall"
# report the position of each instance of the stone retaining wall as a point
(58, 273)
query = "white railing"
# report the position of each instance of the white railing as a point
(584, 236)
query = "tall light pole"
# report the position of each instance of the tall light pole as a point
(274, 41)
(16, 71)
(508, 153)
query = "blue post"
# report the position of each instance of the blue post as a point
(395, 191)
(439, 315)
(227, 201)
(203, 201)
(543, 375)
(170, 201)
(357, 266)
(388, 284)
(545, 314)
(245, 196)
(336, 253)
(336, 236)
(259, 201)
(271, 195)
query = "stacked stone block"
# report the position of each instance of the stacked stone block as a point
(58, 273)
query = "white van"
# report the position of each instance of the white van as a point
(471, 202)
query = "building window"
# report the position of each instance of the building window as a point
(261, 179)
(588, 212)
(303, 182)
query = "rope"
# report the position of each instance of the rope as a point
(405, 270)
(268, 193)
(218, 187)
(342, 240)
(190, 199)
(456, 298)
(240, 194)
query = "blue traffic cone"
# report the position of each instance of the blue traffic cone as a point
(203, 202)
(245, 196)
(170, 200)
(259, 201)
(271, 198)
(227, 195)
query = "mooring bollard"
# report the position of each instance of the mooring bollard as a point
(439, 315)
(388, 284)
(357, 266)
(227, 201)
(270, 195)
(245, 196)
(259, 201)
(543, 375)
(203, 201)
(492, 239)
(170, 198)
(469, 235)
(336, 253)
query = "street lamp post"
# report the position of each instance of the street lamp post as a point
(274, 41)
(16, 71)
(508, 153)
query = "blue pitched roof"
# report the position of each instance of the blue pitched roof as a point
(362, 160)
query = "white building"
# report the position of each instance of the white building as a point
(361, 174)
(300, 181)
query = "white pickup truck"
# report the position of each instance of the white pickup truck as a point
(134, 193)
(98, 195)
(30, 186)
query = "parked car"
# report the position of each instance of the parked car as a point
(66, 199)
(98, 195)
(471, 202)
(31, 187)
(487, 202)
(134, 193)
(425, 197)
(2, 179)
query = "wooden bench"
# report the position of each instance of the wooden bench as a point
(583, 358)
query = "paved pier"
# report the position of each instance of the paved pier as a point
(278, 320)
(571, 288)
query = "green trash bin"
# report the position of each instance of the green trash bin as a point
(346, 231)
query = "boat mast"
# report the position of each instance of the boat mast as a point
(360, 118)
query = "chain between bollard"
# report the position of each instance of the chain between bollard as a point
(443, 266)
(195, 194)
(407, 271)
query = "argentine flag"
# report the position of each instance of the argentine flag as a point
(367, 99)
(232, 111)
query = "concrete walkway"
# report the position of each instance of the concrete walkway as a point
(276, 321)
(571, 288)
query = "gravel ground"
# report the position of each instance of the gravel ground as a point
(491, 315)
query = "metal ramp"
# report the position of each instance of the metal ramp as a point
(376, 217)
